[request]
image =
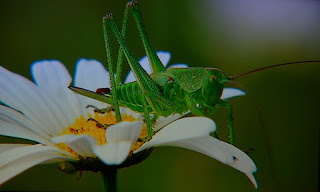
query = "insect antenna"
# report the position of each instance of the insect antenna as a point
(264, 131)
(255, 104)
(272, 66)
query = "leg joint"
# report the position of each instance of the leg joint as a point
(132, 3)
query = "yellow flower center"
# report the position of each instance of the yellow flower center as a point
(97, 127)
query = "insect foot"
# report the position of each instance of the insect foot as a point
(101, 111)
(107, 17)
(132, 3)
(98, 124)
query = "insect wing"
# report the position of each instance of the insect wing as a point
(91, 94)
(189, 79)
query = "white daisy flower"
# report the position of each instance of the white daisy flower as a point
(56, 119)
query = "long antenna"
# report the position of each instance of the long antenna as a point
(272, 66)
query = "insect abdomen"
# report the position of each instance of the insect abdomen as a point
(130, 96)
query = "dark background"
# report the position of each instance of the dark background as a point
(233, 36)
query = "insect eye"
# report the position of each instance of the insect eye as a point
(212, 78)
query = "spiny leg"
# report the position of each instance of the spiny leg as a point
(149, 88)
(119, 64)
(140, 74)
(109, 61)
(120, 52)
(192, 106)
(154, 118)
(227, 105)
(147, 119)
(230, 120)
(98, 124)
(101, 111)
(154, 60)
(118, 69)
(103, 91)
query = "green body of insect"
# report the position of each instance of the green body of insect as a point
(164, 92)
(182, 89)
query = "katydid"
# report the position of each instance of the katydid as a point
(165, 91)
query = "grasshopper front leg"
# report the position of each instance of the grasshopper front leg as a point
(192, 105)
(230, 119)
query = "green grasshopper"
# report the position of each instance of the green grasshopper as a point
(165, 91)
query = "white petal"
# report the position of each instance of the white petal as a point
(8, 146)
(113, 153)
(42, 73)
(138, 116)
(124, 131)
(163, 121)
(53, 80)
(231, 92)
(130, 77)
(221, 151)
(16, 153)
(15, 130)
(164, 57)
(81, 144)
(144, 62)
(22, 158)
(23, 95)
(13, 116)
(243, 163)
(178, 65)
(91, 75)
(181, 129)
(120, 138)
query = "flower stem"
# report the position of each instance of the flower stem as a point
(110, 179)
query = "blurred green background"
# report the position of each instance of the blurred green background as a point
(232, 36)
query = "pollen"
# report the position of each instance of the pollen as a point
(96, 126)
